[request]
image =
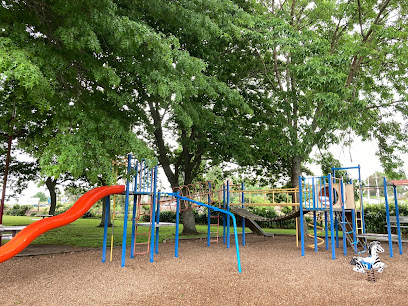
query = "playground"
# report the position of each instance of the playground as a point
(272, 269)
(273, 273)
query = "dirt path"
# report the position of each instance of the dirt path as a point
(273, 273)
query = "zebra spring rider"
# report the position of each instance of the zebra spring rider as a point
(372, 261)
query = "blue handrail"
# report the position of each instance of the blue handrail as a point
(219, 210)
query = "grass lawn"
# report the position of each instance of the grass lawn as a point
(86, 233)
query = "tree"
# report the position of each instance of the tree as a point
(23, 92)
(41, 195)
(331, 70)
(82, 124)
(204, 112)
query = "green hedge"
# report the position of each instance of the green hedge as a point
(17, 210)
(201, 217)
(375, 217)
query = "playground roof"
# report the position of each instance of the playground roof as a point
(399, 182)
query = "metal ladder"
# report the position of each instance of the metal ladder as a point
(217, 225)
(358, 245)
(139, 214)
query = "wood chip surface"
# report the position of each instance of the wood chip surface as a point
(273, 273)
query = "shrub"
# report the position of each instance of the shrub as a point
(88, 215)
(18, 210)
(168, 216)
(375, 217)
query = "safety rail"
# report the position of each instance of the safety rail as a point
(269, 196)
(316, 192)
(234, 221)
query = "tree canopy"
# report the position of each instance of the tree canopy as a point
(333, 70)
(257, 83)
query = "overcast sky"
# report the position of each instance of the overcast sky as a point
(359, 153)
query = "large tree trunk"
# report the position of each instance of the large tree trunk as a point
(51, 184)
(187, 217)
(296, 171)
(3, 193)
(173, 176)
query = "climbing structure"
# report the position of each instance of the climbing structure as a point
(141, 191)
(333, 199)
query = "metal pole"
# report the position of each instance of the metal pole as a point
(132, 244)
(157, 222)
(302, 234)
(125, 217)
(153, 223)
(177, 224)
(224, 222)
(209, 216)
(105, 228)
(397, 219)
(326, 229)
(331, 217)
(343, 217)
(315, 230)
(243, 219)
(228, 216)
(387, 212)
(353, 220)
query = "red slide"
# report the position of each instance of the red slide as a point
(32, 231)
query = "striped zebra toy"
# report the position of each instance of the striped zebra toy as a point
(371, 262)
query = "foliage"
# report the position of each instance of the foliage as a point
(330, 70)
(375, 216)
(18, 210)
(41, 195)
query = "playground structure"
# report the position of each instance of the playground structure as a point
(331, 197)
(334, 199)
(141, 183)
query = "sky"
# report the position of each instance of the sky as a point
(360, 153)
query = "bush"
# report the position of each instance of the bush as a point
(88, 215)
(375, 217)
(168, 216)
(61, 210)
(18, 210)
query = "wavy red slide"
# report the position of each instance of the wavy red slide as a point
(32, 231)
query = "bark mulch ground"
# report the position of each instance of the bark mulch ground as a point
(273, 273)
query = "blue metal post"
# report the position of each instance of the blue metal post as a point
(157, 222)
(302, 234)
(153, 221)
(125, 217)
(243, 219)
(105, 228)
(177, 225)
(326, 229)
(228, 216)
(315, 205)
(361, 200)
(397, 219)
(353, 220)
(132, 243)
(336, 226)
(343, 217)
(333, 247)
(133, 237)
(315, 230)
(224, 222)
(209, 217)
(387, 211)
